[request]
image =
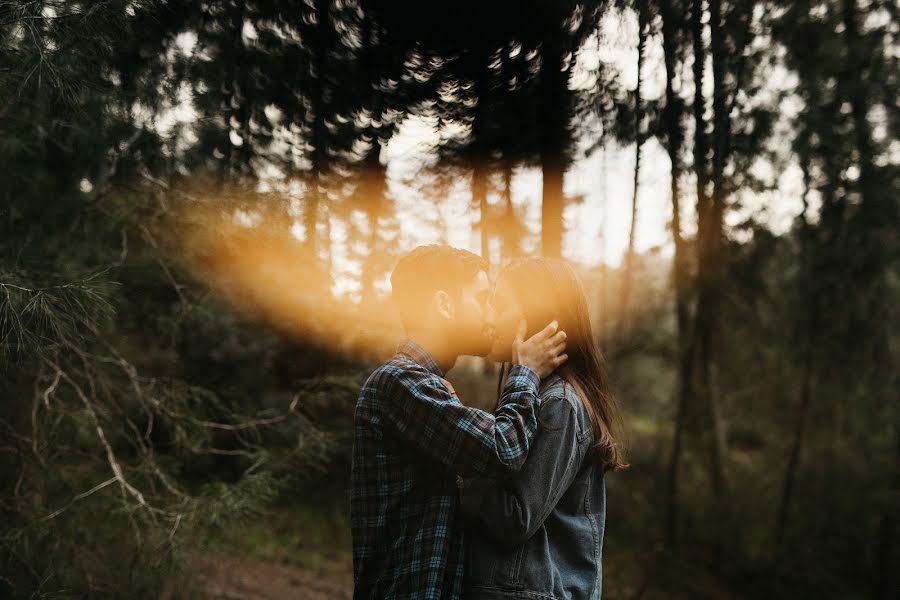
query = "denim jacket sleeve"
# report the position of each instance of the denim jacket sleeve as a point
(511, 510)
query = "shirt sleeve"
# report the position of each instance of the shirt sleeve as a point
(511, 510)
(420, 410)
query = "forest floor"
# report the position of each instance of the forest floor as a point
(221, 577)
(224, 577)
(302, 549)
(298, 550)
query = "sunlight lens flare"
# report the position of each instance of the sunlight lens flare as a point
(254, 259)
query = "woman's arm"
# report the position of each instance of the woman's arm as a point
(512, 509)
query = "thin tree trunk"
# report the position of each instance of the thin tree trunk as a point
(510, 233)
(236, 102)
(479, 152)
(479, 198)
(689, 357)
(603, 299)
(674, 138)
(806, 377)
(796, 446)
(374, 176)
(317, 244)
(857, 96)
(374, 185)
(885, 573)
(711, 263)
(628, 273)
(699, 108)
(833, 220)
(554, 124)
(551, 207)
(507, 224)
(327, 259)
(879, 209)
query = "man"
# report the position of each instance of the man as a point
(412, 435)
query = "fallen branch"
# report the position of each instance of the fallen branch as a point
(80, 496)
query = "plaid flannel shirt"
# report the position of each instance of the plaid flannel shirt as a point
(411, 438)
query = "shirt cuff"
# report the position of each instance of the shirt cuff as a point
(521, 375)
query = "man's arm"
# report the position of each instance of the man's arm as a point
(424, 413)
(512, 510)
(421, 410)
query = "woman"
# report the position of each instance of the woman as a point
(539, 534)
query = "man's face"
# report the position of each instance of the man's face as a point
(472, 325)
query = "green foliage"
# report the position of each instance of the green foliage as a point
(142, 413)
(34, 319)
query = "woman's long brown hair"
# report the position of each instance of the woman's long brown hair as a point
(549, 289)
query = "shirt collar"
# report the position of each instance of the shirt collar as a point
(421, 356)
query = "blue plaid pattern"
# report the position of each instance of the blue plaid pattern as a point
(411, 438)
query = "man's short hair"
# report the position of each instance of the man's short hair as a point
(424, 271)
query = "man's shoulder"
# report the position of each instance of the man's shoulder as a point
(398, 368)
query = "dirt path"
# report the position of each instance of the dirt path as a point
(228, 578)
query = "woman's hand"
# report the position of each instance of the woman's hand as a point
(543, 352)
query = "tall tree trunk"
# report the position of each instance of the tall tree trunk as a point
(878, 213)
(374, 176)
(374, 184)
(885, 578)
(790, 477)
(628, 274)
(688, 369)
(674, 139)
(316, 244)
(507, 223)
(856, 64)
(711, 262)
(481, 56)
(479, 197)
(237, 101)
(833, 219)
(699, 108)
(874, 230)
(809, 334)
(510, 231)
(554, 97)
(603, 295)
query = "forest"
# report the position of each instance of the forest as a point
(203, 201)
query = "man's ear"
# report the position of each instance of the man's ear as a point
(443, 303)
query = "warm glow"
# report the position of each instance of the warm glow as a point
(250, 254)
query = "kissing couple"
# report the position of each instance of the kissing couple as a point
(449, 501)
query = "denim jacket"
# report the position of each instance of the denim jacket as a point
(539, 533)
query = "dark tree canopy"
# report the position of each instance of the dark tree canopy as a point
(202, 201)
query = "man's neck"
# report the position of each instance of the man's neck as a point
(435, 345)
